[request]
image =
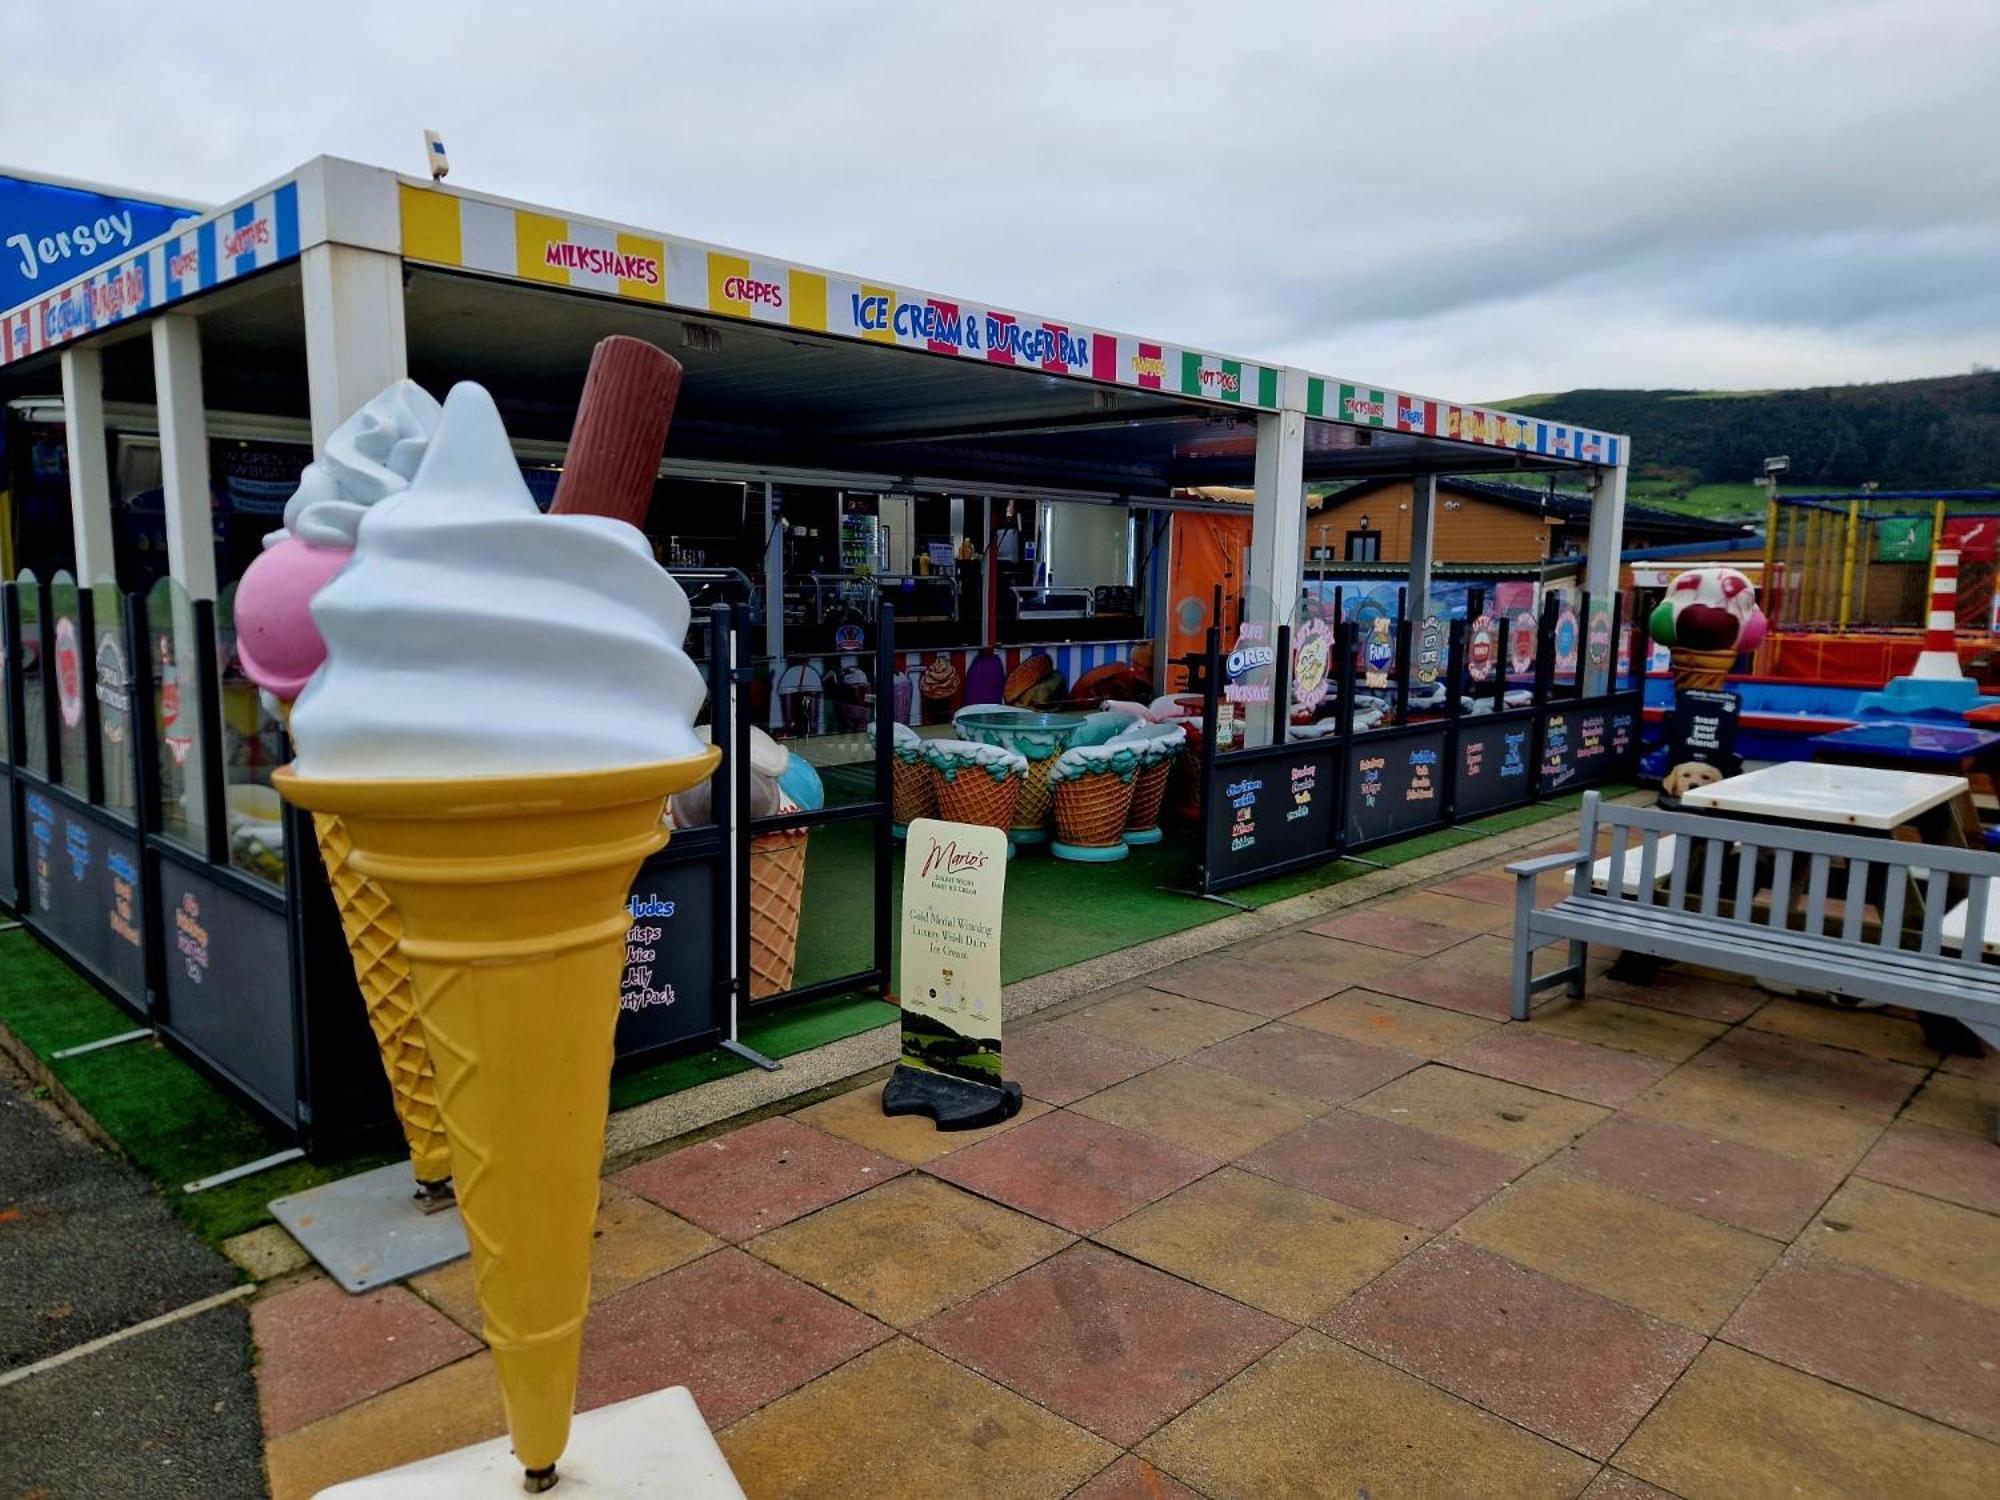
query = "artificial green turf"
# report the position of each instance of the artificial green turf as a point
(176, 1126)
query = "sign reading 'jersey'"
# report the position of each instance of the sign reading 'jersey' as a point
(51, 233)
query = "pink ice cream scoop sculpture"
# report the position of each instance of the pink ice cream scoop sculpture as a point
(275, 635)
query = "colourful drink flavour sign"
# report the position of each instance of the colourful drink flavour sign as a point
(954, 885)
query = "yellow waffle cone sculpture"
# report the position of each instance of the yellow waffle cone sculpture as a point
(374, 935)
(513, 896)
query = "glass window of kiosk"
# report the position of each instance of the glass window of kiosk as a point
(34, 737)
(176, 711)
(1077, 577)
(253, 746)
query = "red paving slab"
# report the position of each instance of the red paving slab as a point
(1435, 981)
(1394, 1170)
(1387, 929)
(1062, 1064)
(1914, 1347)
(1685, 994)
(1132, 1478)
(1328, 1068)
(1073, 1171)
(1871, 1085)
(1576, 1070)
(736, 1332)
(1483, 885)
(1114, 1346)
(1947, 1164)
(320, 1349)
(1563, 1362)
(1612, 1485)
(1720, 1179)
(750, 1180)
(1263, 989)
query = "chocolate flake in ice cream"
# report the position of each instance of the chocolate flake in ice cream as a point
(471, 635)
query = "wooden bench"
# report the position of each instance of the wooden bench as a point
(1730, 900)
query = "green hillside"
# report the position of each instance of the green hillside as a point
(1699, 451)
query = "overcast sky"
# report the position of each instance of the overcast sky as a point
(1459, 198)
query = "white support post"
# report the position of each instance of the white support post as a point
(1423, 514)
(89, 466)
(1607, 531)
(1277, 520)
(356, 342)
(184, 454)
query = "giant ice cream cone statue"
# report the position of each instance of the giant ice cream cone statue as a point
(369, 457)
(1708, 618)
(503, 711)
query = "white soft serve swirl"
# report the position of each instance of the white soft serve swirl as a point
(472, 635)
(369, 457)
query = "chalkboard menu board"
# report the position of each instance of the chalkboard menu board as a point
(1581, 746)
(83, 887)
(10, 890)
(1493, 763)
(1268, 812)
(228, 981)
(1395, 786)
(667, 989)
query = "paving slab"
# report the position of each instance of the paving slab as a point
(1923, 1350)
(1171, 1025)
(1493, 957)
(265, 1253)
(1379, 927)
(904, 1423)
(449, 1408)
(1204, 1110)
(1323, 959)
(1315, 1418)
(1563, 1362)
(1451, 911)
(1521, 1124)
(1762, 1114)
(631, 1241)
(1904, 1234)
(320, 1349)
(1115, 1346)
(1673, 1265)
(87, 1247)
(1379, 1020)
(1948, 1164)
(1737, 1427)
(1278, 1248)
(1958, 1101)
(1061, 1064)
(1606, 1022)
(857, 1116)
(1073, 1171)
(1491, 887)
(1242, 982)
(750, 1180)
(1576, 1070)
(1435, 981)
(169, 1414)
(1612, 1485)
(1132, 1478)
(1706, 1174)
(1396, 1171)
(1853, 1080)
(1306, 1063)
(909, 1248)
(1893, 1034)
(734, 1331)
(1684, 991)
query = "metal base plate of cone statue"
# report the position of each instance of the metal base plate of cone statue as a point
(954, 885)
(370, 1229)
(653, 1447)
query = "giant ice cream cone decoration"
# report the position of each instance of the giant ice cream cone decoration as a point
(503, 711)
(1708, 618)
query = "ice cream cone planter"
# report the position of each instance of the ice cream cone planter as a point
(1027, 733)
(1706, 670)
(976, 783)
(1186, 780)
(777, 899)
(1159, 747)
(1093, 796)
(374, 936)
(512, 891)
(912, 794)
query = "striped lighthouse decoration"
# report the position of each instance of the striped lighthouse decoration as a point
(1939, 658)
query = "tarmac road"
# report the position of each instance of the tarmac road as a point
(88, 1250)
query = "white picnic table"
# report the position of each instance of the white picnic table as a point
(1802, 791)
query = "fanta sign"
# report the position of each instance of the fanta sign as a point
(756, 293)
(595, 260)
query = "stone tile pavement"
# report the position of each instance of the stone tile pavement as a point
(1307, 1217)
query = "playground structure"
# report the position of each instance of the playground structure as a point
(1847, 579)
